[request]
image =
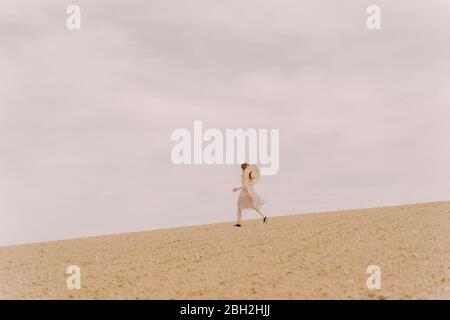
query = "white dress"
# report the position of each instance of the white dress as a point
(248, 198)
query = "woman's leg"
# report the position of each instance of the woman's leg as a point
(239, 216)
(259, 211)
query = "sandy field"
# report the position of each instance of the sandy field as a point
(313, 256)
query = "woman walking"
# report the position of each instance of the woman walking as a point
(248, 198)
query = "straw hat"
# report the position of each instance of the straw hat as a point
(252, 174)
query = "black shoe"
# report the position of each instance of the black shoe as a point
(265, 220)
(237, 225)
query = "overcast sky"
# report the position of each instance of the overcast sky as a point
(86, 116)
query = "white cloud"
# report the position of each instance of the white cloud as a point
(86, 116)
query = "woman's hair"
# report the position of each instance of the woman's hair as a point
(244, 165)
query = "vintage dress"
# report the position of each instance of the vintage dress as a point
(248, 198)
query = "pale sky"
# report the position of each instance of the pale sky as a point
(86, 116)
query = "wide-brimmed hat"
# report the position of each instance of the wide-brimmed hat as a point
(251, 174)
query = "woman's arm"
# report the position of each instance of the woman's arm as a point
(237, 189)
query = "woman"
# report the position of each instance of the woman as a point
(248, 198)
